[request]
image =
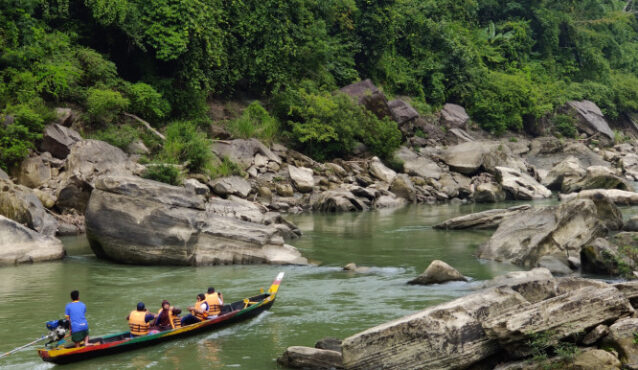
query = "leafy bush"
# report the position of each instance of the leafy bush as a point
(325, 125)
(119, 136)
(254, 122)
(223, 168)
(18, 137)
(165, 173)
(186, 144)
(146, 101)
(103, 106)
(565, 125)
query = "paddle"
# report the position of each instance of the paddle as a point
(24, 346)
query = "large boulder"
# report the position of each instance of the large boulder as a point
(596, 177)
(402, 111)
(415, 165)
(567, 171)
(20, 204)
(583, 359)
(301, 178)
(242, 152)
(34, 171)
(403, 187)
(19, 244)
(489, 219)
(436, 273)
(601, 257)
(337, 200)
(619, 197)
(298, 357)
(489, 192)
(622, 336)
(546, 152)
(589, 119)
(138, 221)
(454, 116)
(233, 185)
(472, 157)
(446, 336)
(58, 140)
(380, 171)
(519, 185)
(365, 93)
(560, 231)
(557, 318)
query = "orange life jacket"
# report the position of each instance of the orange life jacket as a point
(203, 315)
(170, 316)
(214, 304)
(137, 323)
(177, 322)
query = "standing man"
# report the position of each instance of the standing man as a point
(75, 311)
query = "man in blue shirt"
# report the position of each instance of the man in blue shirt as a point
(75, 311)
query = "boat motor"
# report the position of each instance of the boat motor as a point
(57, 329)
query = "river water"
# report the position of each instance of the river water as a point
(314, 301)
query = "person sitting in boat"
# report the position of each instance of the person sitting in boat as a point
(199, 312)
(139, 320)
(75, 311)
(215, 302)
(164, 318)
(177, 321)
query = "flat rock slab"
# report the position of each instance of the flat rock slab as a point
(298, 357)
(481, 220)
(19, 244)
(557, 317)
(620, 197)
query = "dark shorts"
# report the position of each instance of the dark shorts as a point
(79, 336)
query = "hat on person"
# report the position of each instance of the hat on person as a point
(141, 306)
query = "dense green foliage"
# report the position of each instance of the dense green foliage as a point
(165, 173)
(509, 62)
(186, 144)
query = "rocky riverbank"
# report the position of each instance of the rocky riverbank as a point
(522, 320)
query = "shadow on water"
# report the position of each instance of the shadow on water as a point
(314, 302)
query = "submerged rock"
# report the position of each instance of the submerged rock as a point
(436, 273)
(138, 221)
(19, 244)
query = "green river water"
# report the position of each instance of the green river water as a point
(313, 301)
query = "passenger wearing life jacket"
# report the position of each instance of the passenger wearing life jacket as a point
(199, 311)
(177, 321)
(139, 320)
(164, 318)
(215, 302)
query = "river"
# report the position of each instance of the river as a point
(314, 301)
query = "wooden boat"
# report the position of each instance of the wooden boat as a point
(121, 342)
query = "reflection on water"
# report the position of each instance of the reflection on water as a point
(314, 301)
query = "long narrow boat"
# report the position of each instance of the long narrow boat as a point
(121, 342)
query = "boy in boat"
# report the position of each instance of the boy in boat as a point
(164, 318)
(139, 320)
(75, 311)
(199, 311)
(215, 302)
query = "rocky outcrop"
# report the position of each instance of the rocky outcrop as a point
(380, 171)
(596, 177)
(58, 140)
(138, 221)
(566, 172)
(589, 119)
(298, 357)
(20, 204)
(619, 197)
(402, 111)
(365, 93)
(454, 116)
(436, 273)
(520, 186)
(243, 152)
(23, 245)
(415, 165)
(559, 231)
(481, 220)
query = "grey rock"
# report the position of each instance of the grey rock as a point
(472, 157)
(595, 335)
(196, 187)
(284, 190)
(365, 93)
(58, 140)
(34, 172)
(21, 205)
(621, 337)
(137, 147)
(619, 197)
(243, 152)
(329, 343)
(19, 244)
(233, 185)
(389, 201)
(489, 192)
(4, 176)
(403, 187)
(600, 256)
(568, 171)
(534, 285)
(557, 266)
(338, 200)
(631, 224)
(596, 177)
(520, 186)
(301, 178)
(559, 230)
(380, 171)
(481, 220)
(454, 116)
(589, 118)
(138, 221)
(583, 359)
(299, 357)
(402, 111)
(436, 273)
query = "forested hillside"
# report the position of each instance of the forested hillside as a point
(509, 62)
